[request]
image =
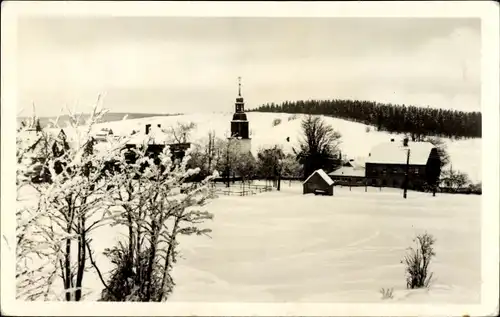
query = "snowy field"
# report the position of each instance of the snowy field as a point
(356, 142)
(286, 247)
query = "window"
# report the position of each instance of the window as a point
(416, 170)
(394, 170)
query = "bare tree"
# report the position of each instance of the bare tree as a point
(319, 143)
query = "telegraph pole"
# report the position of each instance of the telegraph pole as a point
(406, 174)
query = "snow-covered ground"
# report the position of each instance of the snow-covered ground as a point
(356, 142)
(287, 247)
(283, 246)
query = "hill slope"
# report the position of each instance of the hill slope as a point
(108, 117)
(356, 142)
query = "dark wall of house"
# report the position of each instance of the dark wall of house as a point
(346, 180)
(178, 150)
(393, 175)
(317, 182)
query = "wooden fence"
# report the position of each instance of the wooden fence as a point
(239, 189)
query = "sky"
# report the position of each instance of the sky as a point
(191, 64)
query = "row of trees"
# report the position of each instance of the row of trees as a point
(317, 149)
(224, 155)
(152, 204)
(418, 121)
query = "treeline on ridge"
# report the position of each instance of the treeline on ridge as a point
(417, 121)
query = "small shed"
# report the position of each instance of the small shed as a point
(318, 183)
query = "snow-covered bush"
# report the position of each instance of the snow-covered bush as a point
(367, 129)
(276, 121)
(417, 262)
(476, 188)
(454, 180)
(292, 117)
(156, 205)
(387, 293)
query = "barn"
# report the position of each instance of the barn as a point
(318, 183)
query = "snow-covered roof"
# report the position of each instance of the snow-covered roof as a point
(155, 136)
(396, 153)
(323, 175)
(349, 171)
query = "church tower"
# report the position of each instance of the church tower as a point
(239, 124)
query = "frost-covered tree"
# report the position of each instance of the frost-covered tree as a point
(291, 168)
(36, 245)
(228, 158)
(205, 154)
(181, 132)
(72, 200)
(246, 166)
(156, 206)
(440, 145)
(454, 179)
(269, 162)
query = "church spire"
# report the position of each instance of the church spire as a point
(239, 86)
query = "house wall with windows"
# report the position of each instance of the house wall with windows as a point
(393, 175)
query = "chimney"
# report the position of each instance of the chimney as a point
(405, 142)
(159, 125)
(148, 127)
(392, 140)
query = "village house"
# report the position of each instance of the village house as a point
(103, 134)
(318, 183)
(387, 164)
(351, 173)
(156, 140)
